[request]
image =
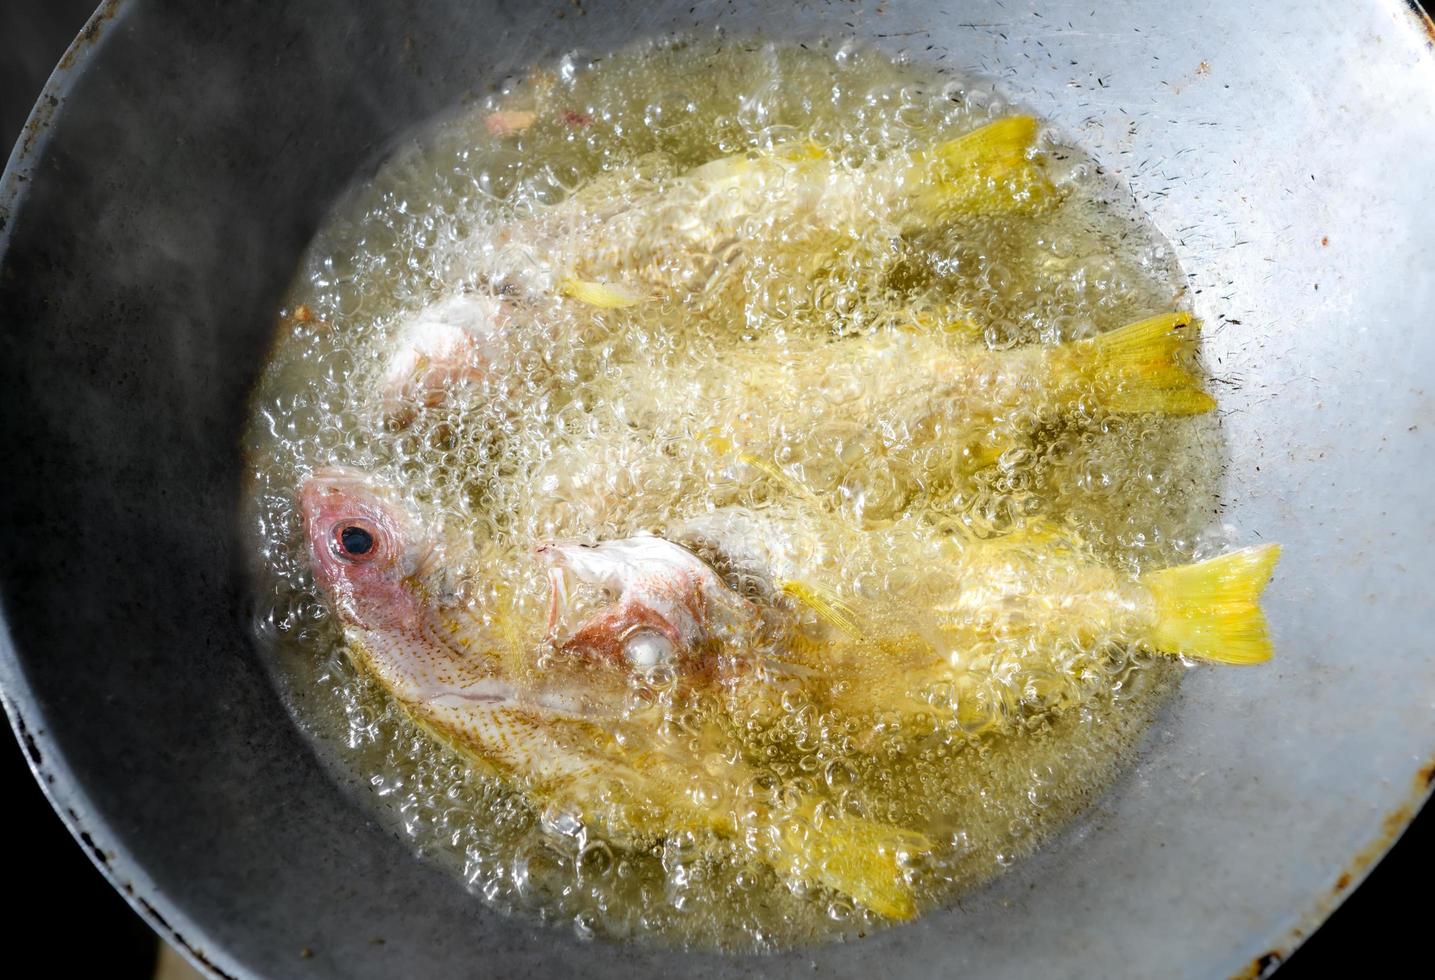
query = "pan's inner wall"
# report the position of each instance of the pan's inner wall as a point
(160, 217)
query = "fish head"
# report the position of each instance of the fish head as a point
(458, 340)
(364, 549)
(386, 577)
(615, 566)
(661, 601)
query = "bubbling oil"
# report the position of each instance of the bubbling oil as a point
(600, 423)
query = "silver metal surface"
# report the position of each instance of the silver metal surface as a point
(1285, 150)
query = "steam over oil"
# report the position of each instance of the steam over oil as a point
(849, 420)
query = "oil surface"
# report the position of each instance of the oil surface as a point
(600, 423)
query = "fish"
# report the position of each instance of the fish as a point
(872, 424)
(669, 605)
(999, 624)
(559, 732)
(465, 338)
(788, 209)
(470, 339)
(624, 239)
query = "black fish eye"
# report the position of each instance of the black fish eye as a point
(354, 540)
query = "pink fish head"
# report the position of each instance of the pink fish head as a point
(663, 601)
(364, 548)
(385, 576)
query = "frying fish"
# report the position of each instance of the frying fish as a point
(784, 212)
(561, 733)
(992, 625)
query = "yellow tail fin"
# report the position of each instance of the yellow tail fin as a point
(859, 858)
(991, 170)
(1210, 610)
(1135, 368)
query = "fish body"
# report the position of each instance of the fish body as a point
(872, 423)
(1027, 618)
(562, 734)
(785, 211)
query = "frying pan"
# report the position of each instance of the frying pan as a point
(155, 209)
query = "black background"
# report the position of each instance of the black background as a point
(63, 909)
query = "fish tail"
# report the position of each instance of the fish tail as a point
(1136, 368)
(857, 857)
(980, 455)
(1211, 610)
(991, 170)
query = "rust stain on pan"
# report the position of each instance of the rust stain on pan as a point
(1262, 966)
(44, 112)
(90, 33)
(179, 942)
(1391, 828)
(1423, 21)
(1394, 823)
(38, 122)
(31, 748)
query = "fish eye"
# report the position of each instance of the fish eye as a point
(648, 649)
(355, 540)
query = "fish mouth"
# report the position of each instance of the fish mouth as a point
(565, 568)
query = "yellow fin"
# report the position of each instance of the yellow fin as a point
(513, 651)
(952, 323)
(741, 167)
(799, 151)
(716, 441)
(1037, 532)
(859, 858)
(723, 446)
(980, 455)
(1004, 141)
(1210, 610)
(1135, 368)
(775, 473)
(604, 295)
(828, 605)
(991, 170)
